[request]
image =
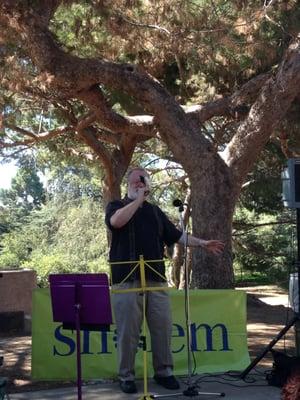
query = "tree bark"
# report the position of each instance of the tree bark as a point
(214, 196)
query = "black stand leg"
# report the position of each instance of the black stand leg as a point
(78, 345)
(268, 348)
(78, 361)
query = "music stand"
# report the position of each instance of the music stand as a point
(141, 264)
(81, 301)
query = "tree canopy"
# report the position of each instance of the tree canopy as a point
(212, 80)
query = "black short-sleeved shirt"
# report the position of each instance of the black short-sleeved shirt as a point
(145, 234)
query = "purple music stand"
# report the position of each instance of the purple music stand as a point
(81, 301)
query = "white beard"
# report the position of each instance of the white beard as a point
(132, 194)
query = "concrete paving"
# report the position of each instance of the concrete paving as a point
(209, 387)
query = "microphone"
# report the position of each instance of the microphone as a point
(146, 182)
(177, 203)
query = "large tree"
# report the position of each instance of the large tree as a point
(43, 66)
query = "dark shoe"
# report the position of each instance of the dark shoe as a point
(128, 386)
(168, 382)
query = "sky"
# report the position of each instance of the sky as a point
(7, 172)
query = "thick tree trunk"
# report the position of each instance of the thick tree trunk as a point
(209, 271)
(111, 192)
(114, 174)
(177, 261)
(187, 269)
(213, 199)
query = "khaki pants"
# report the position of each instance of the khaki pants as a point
(128, 309)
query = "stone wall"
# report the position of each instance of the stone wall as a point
(16, 290)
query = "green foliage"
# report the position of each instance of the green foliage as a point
(81, 234)
(15, 247)
(73, 182)
(64, 233)
(60, 237)
(5, 220)
(25, 195)
(67, 233)
(175, 40)
(45, 264)
(243, 278)
(80, 29)
(264, 244)
(26, 191)
(264, 231)
(262, 191)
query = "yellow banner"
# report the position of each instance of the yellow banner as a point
(218, 338)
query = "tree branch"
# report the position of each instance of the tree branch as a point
(271, 105)
(140, 25)
(43, 136)
(111, 120)
(88, 137)
(248, 227)
(72, 77)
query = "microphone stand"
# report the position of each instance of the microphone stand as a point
(186, 293)
(191, 390)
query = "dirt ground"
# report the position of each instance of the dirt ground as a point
(264, 322)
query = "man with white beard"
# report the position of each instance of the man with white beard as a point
(141, 228)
